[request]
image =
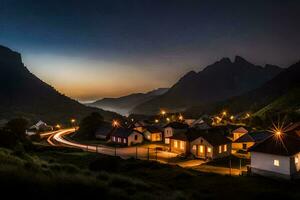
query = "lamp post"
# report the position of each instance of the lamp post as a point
(73, 121)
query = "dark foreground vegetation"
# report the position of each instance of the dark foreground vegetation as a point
(56, 173)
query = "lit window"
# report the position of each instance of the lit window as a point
(276, 163)
(119, 140)
(194, 147)
(201, 149)
(114, 138)
(296, 160)
(220, 149)
(181, 145)
(208, 149)
(167, 140)
(175, 144)
(225, 148)
(124, 140)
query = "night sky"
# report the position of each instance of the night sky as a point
(94, 49)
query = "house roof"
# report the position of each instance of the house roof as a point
(153, 129)
(240, 130)
(213, 136)
(257, 136)
(177, 125)
(286, 145)
(123, 132)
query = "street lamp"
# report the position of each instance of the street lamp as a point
(58, 126)
(156, 121)
(180, 117)
(163, 112)
(73, 123)
(115, 123)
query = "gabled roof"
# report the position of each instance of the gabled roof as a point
(213, 136)
(286, 145)
(257, 136)
(241, 130)
(153, 129)
(123, 132)
(177, 125)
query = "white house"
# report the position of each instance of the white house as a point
(40, 126)
(277, 156)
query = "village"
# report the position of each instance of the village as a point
(202, 144)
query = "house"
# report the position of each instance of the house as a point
(138, 125)
(203, 144)
(189, 121)
(126, 136)
(235, 134)
(243, 143)
(103, 132)
(153, 133)
(277, 156)
(40, 126)
(172, 129)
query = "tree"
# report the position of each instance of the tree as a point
(89, 125)
(17, 127)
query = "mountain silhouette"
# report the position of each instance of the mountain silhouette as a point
(126, 103)
(216, 82)
(22, 94)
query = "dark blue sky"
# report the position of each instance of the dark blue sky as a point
(111, 48)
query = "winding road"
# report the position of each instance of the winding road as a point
(58, 138)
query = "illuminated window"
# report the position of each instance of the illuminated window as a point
(225, 148)
(208, 149)
(181, 145)
(276, 163)
(220, 149)
(194, 147)
(114, 138)
(119, 140)
(124, 140)
(167, 140)
(201, 149)
(296, 160)
(175, 144)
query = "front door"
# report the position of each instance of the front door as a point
(201, 151)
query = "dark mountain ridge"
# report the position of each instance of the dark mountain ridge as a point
(23, 94)
(216, 82)
(125, 103)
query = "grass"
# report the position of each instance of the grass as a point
(57, 172)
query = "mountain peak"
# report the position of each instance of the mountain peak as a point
(240, 60)
(225, 60)
(9, 56)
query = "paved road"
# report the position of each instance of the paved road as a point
(58, 139)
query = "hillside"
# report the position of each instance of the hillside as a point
(23, 94)
(124, 104)
(279, 93)
(216, 82)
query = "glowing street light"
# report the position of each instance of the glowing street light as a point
(73, 121)
(168, 119)
(115, 123)
(180, 117)
(58, 126)
(163, 112)
(232, 117)
(156, 121)
(224, 113)
(247, 115)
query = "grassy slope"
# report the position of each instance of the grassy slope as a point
(288, 102)
(52, 173)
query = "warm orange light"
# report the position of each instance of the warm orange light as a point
(163, 112)
(156, 121)
(247, 115)
(168, 119)
(115, 123)
(57, 126)
(278, 132)
(73, 120)
(224, 113)
(180, 117)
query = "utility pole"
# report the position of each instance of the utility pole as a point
(136, 152)
(240, 166)
(230, 166)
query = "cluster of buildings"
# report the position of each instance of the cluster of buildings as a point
(274, 153)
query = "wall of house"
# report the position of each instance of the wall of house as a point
(295, 163)
(168, 132)
(262, 161)
(147, 135)
(132, 140)
(201, 141)
(155, 137)
(224, 151)
(181, 146)
(119, 140)
(239, 146)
